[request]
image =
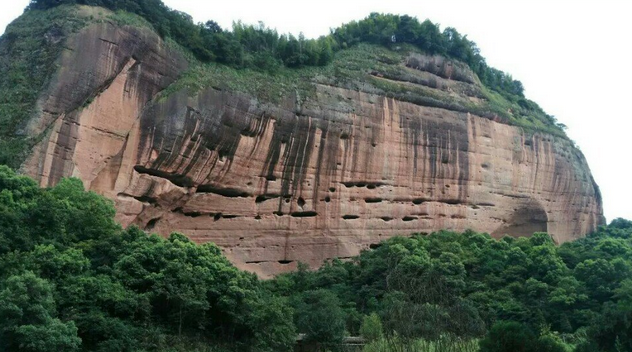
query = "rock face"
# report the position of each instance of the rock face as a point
(301, 179)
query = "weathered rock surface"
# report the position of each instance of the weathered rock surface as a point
(299, 180)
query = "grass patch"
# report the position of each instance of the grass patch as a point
(443, 344)
(354, 69)
(123, 18)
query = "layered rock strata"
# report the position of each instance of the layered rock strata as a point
(300, 179)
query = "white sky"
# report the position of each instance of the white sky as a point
(572, 57)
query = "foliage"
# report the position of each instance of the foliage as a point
(319, 316)
(245, 46)
(445, 343)
(427, 286)
(33, 43)
(28, 50)
(371, 328)
(72, 278)
(27, 308)
(516, 337)
(263, 48)
(353, 69)
(380, 29)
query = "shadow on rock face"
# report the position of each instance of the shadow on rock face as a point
(524, 222)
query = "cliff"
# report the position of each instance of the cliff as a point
(304, 164)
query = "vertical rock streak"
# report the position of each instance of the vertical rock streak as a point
(274, 184)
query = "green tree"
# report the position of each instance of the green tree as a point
(271, 320)
(76, 279)
(319, 316)
(508, 337)
(27, 317)
(371, 328)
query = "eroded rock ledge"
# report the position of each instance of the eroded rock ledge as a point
(274, 184)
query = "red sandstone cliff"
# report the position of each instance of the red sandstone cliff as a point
(304, 179)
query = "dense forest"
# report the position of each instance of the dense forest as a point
(263, 48)
(72, 279)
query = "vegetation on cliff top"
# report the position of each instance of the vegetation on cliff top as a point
(32, 44)
(72, 279)
(371, 69)
(263, 49)
(28, 50)
(258, 46)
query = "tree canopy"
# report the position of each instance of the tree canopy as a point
(257, 46)
(471, 285)
(72, 279)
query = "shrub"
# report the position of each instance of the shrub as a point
(509, 336)
(371, 328)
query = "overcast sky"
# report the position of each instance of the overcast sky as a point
(573, 58)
